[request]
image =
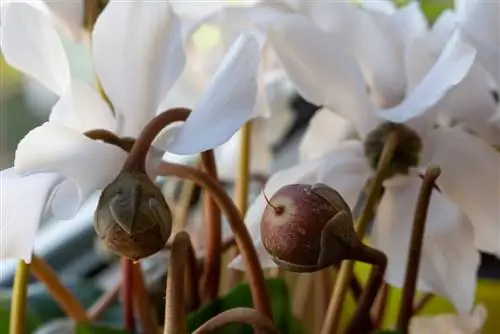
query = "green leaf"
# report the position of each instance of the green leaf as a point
(433, 8)
(240, 297)
(32, 321)
(98, 329)
(387, 331)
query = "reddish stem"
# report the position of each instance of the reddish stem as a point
(127, 293)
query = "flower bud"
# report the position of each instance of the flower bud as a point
(306, 228)
(132, 216)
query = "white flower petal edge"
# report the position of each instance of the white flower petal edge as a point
(449, 70)
(228, 102)
(56, 148)
(471, 179)
(451, 323)
(70, 16)
(30, 44)
(335, 169)
(448, 250)
(81, 108)
(324, 124)
(323, 72)
(138, 56)
(23, 205)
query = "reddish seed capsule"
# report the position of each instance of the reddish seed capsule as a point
(307, 227)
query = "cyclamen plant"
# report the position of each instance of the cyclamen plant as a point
(414, 173)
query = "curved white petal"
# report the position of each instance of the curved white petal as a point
(375, 43)
(30, 44)
(88, 164)
(22, 206)
(480, 22)
(82, 109)
(138, 56)
(470, 178)
(328, 169)
(383, 6)
(227, 155)
(70, 16)
(449, 70)
(448, 251)
(227, 104)
(325, 130)
(410, 22)
(324, 73)
(451, 323)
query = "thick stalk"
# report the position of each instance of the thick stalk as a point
(243, 239)
(241, 191)
(191, 281)
(417, 237)
(17, 323)
(127, 294)
(422, 302)
(337, 301)
(175, 319)
(142, 302)
(71, 307)
(238, 315)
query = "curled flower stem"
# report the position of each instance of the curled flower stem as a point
(243, 239)
(239, 315)
(17, 323)
(417, 237)
(191, 280)
(241, 192)
(149, 324)
(63, 297)
(380, 305)
(360, 322)
(340, 289)
(213, 234)
(100, 306)
(127, 293)
(175, 320)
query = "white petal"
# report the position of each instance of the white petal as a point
(337, 169)
(82, 109)
(324, 124)
(383, 6)
(448, 71)
(70, 16)
(227, 104)
(410, 22)
(375, 43)
(480, 22)
(450, 323)
(324, 73)
(138, 56)
(88, 164)
(227, 154)
(23, 205)
(448, 251)
(30, 44)
(470, 178)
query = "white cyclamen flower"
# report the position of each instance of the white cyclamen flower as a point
(327, 75)
(138, 55)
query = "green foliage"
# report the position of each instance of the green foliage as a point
(433, 8)
(386, 331)
(32, 321)
(240, 297)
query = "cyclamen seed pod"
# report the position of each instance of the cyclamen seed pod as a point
(306, 228)
(132, 216)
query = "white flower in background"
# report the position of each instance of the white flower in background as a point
(207, 40)
(450, 323)
(327, 75)
(138, 55)
(474, 102)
